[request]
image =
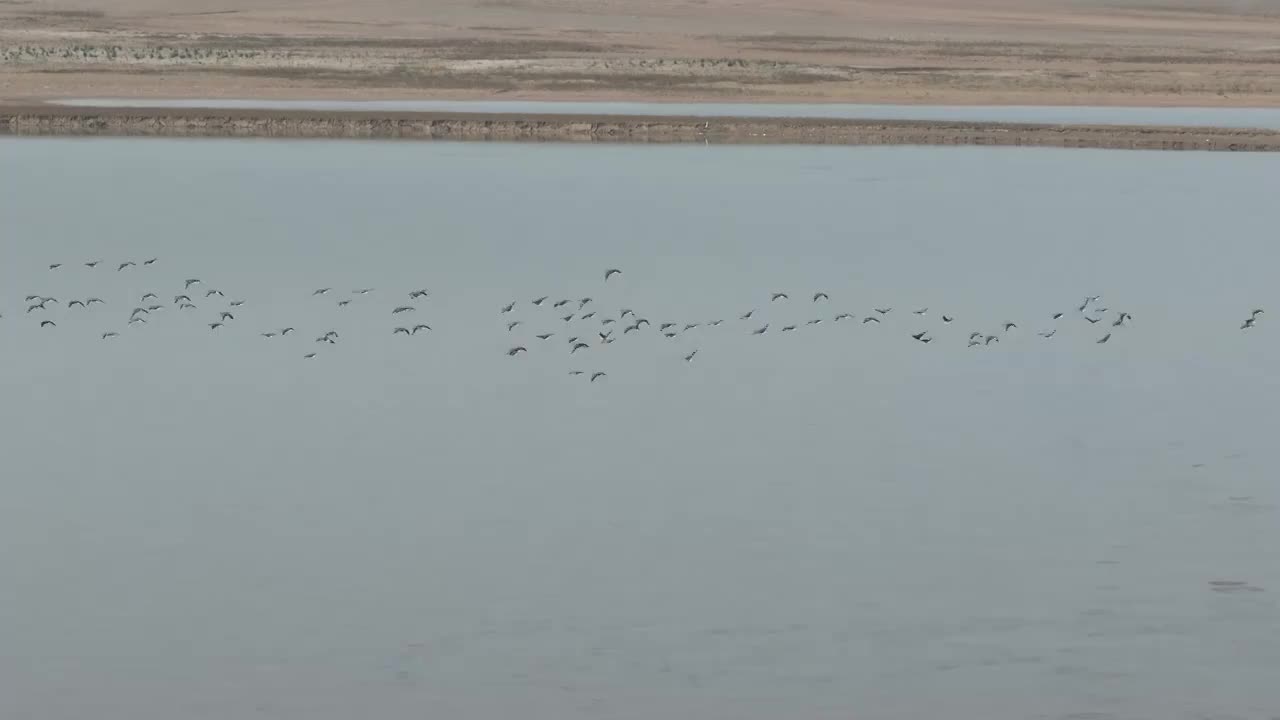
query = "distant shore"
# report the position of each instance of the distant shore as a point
(54, 120)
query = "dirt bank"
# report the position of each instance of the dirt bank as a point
(56, 120)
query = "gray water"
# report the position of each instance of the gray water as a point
(1083, 114)
(833, 522)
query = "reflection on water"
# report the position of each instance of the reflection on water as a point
(808, 523)
(1193, 116)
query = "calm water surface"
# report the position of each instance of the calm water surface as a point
(832, 522)
(1187, 116)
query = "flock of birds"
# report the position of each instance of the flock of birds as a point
(586, 324)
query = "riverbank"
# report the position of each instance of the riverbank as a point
(54, 120)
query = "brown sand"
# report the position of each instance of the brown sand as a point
(56, 120)
(1104, 52)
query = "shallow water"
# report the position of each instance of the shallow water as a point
(1090, 115)
(829, 522)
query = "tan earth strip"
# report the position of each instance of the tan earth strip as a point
(52, 120)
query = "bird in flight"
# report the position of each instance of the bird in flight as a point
(228, 316)
(418, 294)
(715, 323)
(343, 303)
(779, 296)
(583, 302)
(668, 335)
(559, 303)
(788, 328)
(1091, 320)
(236, 303)
(539, 301)
(1057, 316)
(180, 298)
(267, 334)
(689, 357)
(870, 318)
(545, 336)
(663, 327)
(1086, 302)
(308, 356)
(285, 331)
(190, 282)
(213, 292)
(844, 316)
(588, 316)
(55, 266)
(137, 321)
(124, 265)
(1257, 311)
(186, 306)
(215, 326)
(92, 263)
(513, 324)
(820, 296)
(74, 303)
(399, 330)
(416, 328)
(575, 372)
(1049, 334)
(629, 328)
(402, 308)
(597, 376)
(92, 300)
(816, 321)
(1104, 338)
(48, 323)
(1248, 323)
(921, 311)
(321, 291)
(990, 339)
(578, 346)
(689, 326)
(920, 336)
(568, 317)
(106, 335)
(362, 291)
(1009, 326)
(1121, 318)
(883, 311)
(747, 315)
(947, 318)
(509, 308)
(516, 350)
(610, 273)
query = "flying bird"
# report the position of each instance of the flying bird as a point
(817, 321)
(106, 335)
(779, 296)
(921, 311)
(629, 328)
(715, 323)
(508, 308)
(321, 291)
(418, 294)
(48, 323)
(186, 306)
(228, 316)
(308, 356)
(362, 291)
(990, 339)
(663, 327)
(74, 303)
(190, 282)
(124, 265)
(517, 349)
(844, 316)
(921, 337)
(544, 336)
(689, 326)
(607, 321)
(870, 318)
(416, 328)
(583, 302)
(1049, 334)
(761, 331)
(152, 261)
(597, 376)
(1121, 318)
(588, 316)
(1104, 338)
(568, 317)
(92, 300)
(668, 335)
(604, 337)
(575, 372)
(267, 334)
(625, 312)
(286, 331)
(578, 346)
(400, 330)
(689, 357)
(180, 298)
(747, 316)
(402, 308)
(55, 266)
(539, 301)
(820, 296)
(1009, 326)
(92, 263)
(213, 292)
(137, 321)
(1057, 316)
(883, 311)
(215, 326)
(513, 324)
(788, 328)
(947, 318)
(559, 303)
(343, 303)
(1248, 323)
(236, 303)
(1258, 311)
(610, 273)
(1091, 319)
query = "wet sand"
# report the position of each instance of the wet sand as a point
(42, 119)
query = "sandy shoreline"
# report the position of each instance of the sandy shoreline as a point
(53, 120)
